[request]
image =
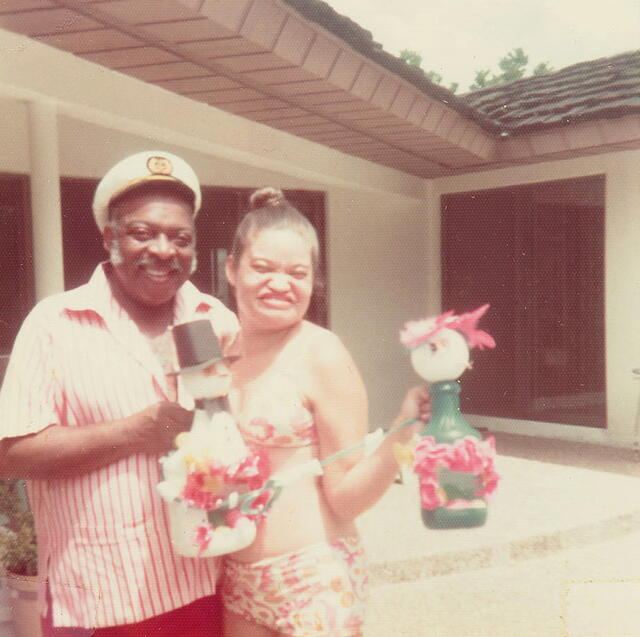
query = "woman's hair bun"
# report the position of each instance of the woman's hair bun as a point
(266, 198)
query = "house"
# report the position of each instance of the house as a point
(525, 196)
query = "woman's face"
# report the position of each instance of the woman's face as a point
(273, 279)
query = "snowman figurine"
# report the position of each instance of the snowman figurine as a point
(455, 466)
(211, 465)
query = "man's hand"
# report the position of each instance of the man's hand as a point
(156, 427)
(63, 452)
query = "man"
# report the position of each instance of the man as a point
(90, 402)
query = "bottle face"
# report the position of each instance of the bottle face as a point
(213, 381)
(443, 357)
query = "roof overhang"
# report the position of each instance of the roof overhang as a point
(264, 61)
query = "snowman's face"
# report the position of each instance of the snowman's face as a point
(213, 381)
(443, 357)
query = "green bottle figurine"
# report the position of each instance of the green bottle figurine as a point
(455, 466)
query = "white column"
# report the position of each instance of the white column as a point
(46, 214)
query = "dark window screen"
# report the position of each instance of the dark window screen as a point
(536, 254)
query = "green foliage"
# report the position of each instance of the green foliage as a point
(542, 68)
(18, 549)
(436, 78)
(513, 67)
(413, 58)
(482, 79)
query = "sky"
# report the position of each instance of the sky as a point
(458, 37)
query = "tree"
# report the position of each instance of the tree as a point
(481, 80)
(542, 68)
(513, 67)
(413, 58)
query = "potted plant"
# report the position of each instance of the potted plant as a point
(18, 557)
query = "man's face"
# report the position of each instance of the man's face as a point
(152, 245)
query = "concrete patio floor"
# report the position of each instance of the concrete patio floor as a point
(559, 555)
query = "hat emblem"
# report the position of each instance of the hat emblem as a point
(159, 165)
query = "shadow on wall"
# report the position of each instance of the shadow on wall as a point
(4, 361)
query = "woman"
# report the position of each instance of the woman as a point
(298, 395)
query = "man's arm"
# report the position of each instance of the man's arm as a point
(34, 442)
(62, 452)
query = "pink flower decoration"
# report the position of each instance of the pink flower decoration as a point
(197, 491)
(466, 323)
(430, 498)
(208, 488)
(233, 516)
(468, 455)
(262, 429)
(203, 538)
(416, 333)
(259, 505)
(263, 499)
(253, 471)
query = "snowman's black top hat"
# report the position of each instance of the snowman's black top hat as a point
(196, 344)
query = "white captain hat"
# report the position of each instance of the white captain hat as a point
(146, 167)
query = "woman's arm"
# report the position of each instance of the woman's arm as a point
(353, 483)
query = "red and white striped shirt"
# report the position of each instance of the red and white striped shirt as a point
(103, 537)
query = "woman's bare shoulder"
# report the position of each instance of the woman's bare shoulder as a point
(319, 339)
(325, 348)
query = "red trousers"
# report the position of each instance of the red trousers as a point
(202, 618)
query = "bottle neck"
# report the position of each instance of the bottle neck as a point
(445, 398)
(447, 424)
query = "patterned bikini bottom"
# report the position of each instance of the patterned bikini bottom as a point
(318, 590)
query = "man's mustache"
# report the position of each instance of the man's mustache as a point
(172, 265)
(146, 260)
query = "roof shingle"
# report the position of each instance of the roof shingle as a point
(603, 88)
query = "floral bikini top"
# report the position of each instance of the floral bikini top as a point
(276, 416)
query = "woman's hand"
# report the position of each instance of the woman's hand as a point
(416, 405)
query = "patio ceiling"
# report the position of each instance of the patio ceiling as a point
(262, 60)
(297, 66)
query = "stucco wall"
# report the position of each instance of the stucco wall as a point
(382, 229)
(622, 280)
(377, 223)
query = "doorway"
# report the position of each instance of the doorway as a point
(536, 254)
